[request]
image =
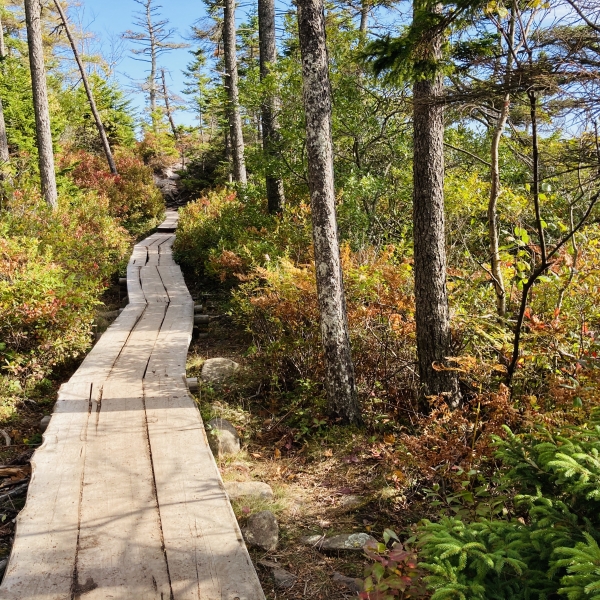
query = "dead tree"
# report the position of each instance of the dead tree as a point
(154, 37)
(88, 90)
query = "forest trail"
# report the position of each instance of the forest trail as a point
(126, 501)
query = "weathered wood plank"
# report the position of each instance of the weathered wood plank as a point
(43, 555)
(120, 551)
(204, 546)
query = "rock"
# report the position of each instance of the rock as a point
(44, 422)
(352, 584)
(217, 370)
(312, 540)
(223, 437)
(262, 530)
(241, 489)
(3, 565)
(346, 542)
(284, 579)
(352, 501)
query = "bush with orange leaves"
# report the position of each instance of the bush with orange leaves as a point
(132, 195)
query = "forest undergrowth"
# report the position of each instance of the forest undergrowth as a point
(491, 470)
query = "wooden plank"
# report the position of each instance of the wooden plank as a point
(205, 551)
(43, 554)
(152, 285)
(120, 553)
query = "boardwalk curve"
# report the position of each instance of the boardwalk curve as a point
(126, 501)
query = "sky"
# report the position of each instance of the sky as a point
(109, 18)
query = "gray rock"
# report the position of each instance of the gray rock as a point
(346, 542)
(262, 530)
(217, 370)
(241, 489)
(352, 501)
(223, 437)
(312, 540)
(284, 579)
(352, 584)
(44, 422)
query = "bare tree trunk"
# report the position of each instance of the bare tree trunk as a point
(233, 109)
(339, 382)
(153, 65)
(365, 8)
(4, 154)
(270, 107)
(33, 15)
(495, 186)
(168, 104)
(431, 297)
(88, 90)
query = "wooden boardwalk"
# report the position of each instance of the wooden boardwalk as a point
(126, 501)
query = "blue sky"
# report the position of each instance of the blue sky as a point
(109, 18)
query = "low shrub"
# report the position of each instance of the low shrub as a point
(53, 268)
(132, 195)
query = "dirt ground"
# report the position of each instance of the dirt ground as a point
(334, 484)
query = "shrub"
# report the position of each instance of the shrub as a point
(132, 196)
(547, 548)
(53, 267)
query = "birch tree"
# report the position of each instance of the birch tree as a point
(270, 106)
(339, 382)
(88, 90)
(33, 15)
(236, 135)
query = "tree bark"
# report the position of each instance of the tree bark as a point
(365, 8)
(33, 17)
(4, 154)
(431, 298)
(270, 125)
(168, 104)
(233, 108)
(88, 90)
(339, 382)
(153, 63)
(495, 186)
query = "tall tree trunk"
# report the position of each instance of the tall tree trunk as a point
(339, 382)
(270, 106)
(495, 187)
(4, 154)
(168, 104)
(431, 298)
(365, 9)
(153, 64)
(33, 16)
(233, 108)
(88, 90)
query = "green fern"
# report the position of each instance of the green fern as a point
(551, 551)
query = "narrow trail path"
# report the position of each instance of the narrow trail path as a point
(126, 501)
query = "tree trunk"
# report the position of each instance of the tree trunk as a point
(153, 64)
(4, 154)
(270, 106)
(431, 298)
(88, 91)
(365, 8)
(33, 17)
(168, 104)
(233, 108)
(495, 186)
(339, 382)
